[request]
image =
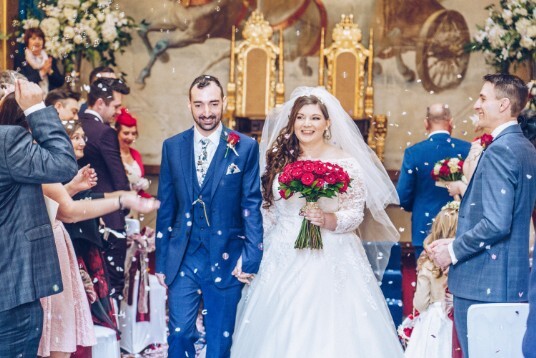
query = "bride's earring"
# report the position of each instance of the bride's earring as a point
(327, 134)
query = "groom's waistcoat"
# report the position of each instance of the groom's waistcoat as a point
(200, 234)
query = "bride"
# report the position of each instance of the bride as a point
(320, 303)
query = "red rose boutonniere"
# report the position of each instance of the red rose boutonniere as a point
(485, 140)
(232, 141)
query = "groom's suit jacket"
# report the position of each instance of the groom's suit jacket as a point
(492, 240)
(29, 267)
(234, 216)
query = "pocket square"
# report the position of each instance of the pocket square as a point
(233, 169)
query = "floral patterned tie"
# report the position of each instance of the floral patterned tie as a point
(202, 161)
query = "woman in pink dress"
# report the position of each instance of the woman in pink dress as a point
(67, 317)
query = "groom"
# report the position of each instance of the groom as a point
(489, 257)
(209, 226)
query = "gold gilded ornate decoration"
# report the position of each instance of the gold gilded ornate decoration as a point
(348, 60)
(347, 56)
(254, 92)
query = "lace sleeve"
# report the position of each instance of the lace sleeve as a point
(352, 203)
(268, 218)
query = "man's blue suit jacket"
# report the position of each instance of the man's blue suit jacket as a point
(492, 240)
(416, 188)
(235, 217)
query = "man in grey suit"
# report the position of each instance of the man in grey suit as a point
(29, 267)
(489, 256)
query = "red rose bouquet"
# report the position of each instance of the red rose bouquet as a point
(447, 170)
(406, 328)
(313, 180)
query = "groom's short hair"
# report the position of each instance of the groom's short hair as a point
(204, 81)
(511, 87)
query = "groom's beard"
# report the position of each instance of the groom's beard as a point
(208, 123)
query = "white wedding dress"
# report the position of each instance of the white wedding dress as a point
(315, 303)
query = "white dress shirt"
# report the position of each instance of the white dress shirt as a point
(438, 132)
(34, 108)
(214, 141)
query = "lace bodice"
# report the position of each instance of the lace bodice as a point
(348, 207)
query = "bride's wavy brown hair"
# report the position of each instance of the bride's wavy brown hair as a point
(286, 148)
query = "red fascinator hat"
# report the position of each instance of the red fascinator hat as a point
(126, 119)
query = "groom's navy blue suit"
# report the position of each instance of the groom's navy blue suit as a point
(198, 246)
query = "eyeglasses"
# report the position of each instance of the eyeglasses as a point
(78, 137)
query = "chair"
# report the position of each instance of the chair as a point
(135, 336)
(253, 92)
(107, 343)
(497, 329)
(347, 61)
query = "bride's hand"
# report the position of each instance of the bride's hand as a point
(321, 219)
(242, 276)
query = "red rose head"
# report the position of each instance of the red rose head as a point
(233, 138)
(444, 171)
(320, 182)
(282, 193)
(486, 140)
(308, 166)
(284, 178)
(296, 173)
(330, 178)
(320, 168)
(307, 179)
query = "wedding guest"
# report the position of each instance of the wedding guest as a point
(7, 84)
(127, 133)
(102, 152)
(488, 258)
(96, 73)
(67, 320)
(66, 103)
(416, 188)
(29, 266)
(36, 64)
(85, 236)
(67, 317)
(432, 333)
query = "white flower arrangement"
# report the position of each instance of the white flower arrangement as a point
(76, 29)
(509, 34)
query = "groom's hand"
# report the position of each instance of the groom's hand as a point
(440, 252)
(242, 276)
(161, 279)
